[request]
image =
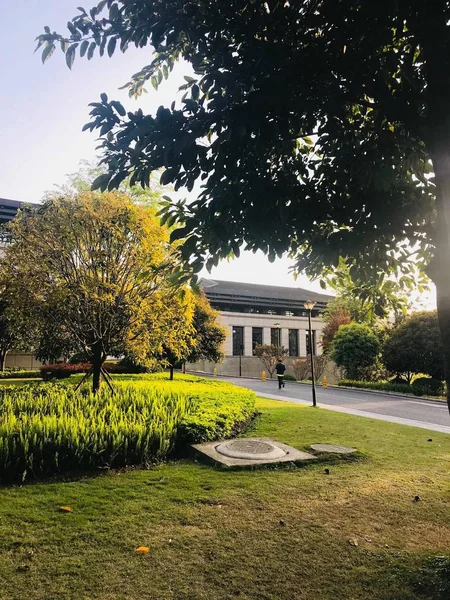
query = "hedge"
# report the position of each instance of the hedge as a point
(49, 428)
(399, 388)
(19, 374)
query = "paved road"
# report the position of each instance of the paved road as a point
(409, 411)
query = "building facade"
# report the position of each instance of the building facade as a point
(262, 314)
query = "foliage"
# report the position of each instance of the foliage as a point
(415, 346)
(301, 368)
(269, 355)
(99, 277)
(427, 385)
(210, 335)
(334, 316)
(320, 363)
(63, 370)
(19, 374)
(398, 388)
(355, 348)
(289, 377)
(331, 161)
(49, 428)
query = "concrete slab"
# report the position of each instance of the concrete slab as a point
(331, 449)
(246, 452)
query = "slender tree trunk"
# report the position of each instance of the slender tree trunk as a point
(3, 354)
(431, 28)
(171, 372)
(97, 362)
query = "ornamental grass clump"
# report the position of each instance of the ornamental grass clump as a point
(49, 428)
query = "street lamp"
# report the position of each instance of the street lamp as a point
(277, 325)
(241, 347)
(309, 306)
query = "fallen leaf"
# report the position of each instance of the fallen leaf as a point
(65, 509)
(142, 550)
(353, 542)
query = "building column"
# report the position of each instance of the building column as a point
(248, 351)
(302, 342)
(266, 336)
(229, 340)
(285, 338)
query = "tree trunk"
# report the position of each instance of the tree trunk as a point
(3, 354)
(439, 270)
(97, 362)
(171, 372)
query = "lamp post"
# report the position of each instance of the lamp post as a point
(277, 325)
(241, 347)
(309, 306)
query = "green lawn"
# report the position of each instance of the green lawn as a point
(22, 381)
(272, 534)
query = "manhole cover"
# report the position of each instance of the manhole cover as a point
(332, 449)
(250, 449)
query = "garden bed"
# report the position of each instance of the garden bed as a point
(50, 428)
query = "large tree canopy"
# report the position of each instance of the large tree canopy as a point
(313, 125)
(98, 276)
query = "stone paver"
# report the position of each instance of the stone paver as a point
(331, 449)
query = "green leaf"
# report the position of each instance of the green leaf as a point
(70, 55)
(154, 82)
(101, 182)
(47, 52)
(91, 50)
(111, 46)
(113, 12)
(83, 48)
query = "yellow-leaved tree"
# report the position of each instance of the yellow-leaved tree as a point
(100, 277)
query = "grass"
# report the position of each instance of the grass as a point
(273, 534)
(24, 381)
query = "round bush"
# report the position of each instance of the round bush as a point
(427, 385)
(289, 377)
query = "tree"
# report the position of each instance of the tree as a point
(99, 277)
(301, 368)
(355, 348)
(179, 339)
(210, 335)
(334, 316)
(314, 126)
(269, 355)
(415, 346)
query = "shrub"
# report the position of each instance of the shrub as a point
(63, 370)
(19, 374)
(427, 385)
(48, 428)
(289, 377)
(399, 388)
(301, 368)
(355, 348)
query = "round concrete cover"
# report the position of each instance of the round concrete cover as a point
(250, 450)
(332, 449)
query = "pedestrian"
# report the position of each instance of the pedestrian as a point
(280, 369)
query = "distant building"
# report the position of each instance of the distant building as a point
(262, 314)
(8, 210)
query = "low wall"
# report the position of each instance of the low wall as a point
(22, 360)
(251, 366)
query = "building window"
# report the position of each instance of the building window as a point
(308, 348)
(257, 337)
(275, 336)
(238, 341)
(293, 342)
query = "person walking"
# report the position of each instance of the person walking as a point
(280, 369)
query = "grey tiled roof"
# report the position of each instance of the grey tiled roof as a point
(214, 288)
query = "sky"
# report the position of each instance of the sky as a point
(44, 108)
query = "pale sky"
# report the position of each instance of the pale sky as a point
(44, 108)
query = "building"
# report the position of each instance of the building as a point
(262, 314)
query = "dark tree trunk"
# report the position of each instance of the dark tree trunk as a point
(439, 269)
(171, 372)
(97, 362)
(3, 354)
(184, 367)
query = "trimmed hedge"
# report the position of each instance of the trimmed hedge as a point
(48, 428)
(399, 388)
(65, 370)
(19, 374)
